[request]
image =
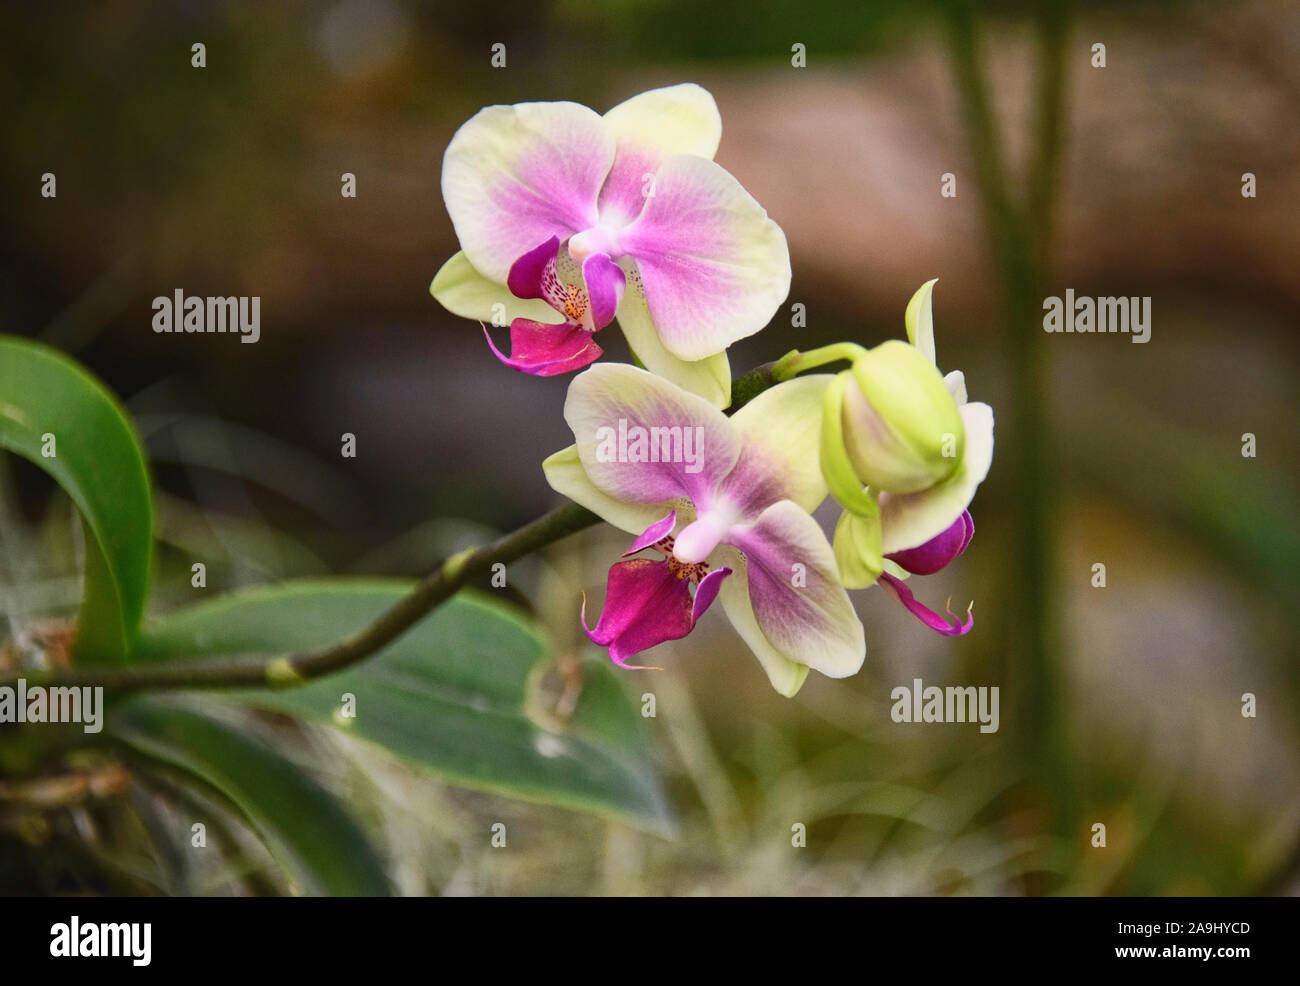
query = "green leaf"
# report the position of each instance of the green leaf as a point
(305, 827)
(98, 462)
(453, 696)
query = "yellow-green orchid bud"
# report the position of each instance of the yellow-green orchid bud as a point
(902, 430)
(841, 477)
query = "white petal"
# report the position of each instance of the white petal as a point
(920, 320)
(956, 381)
(786, 676)
(680, 119)
(911, 519)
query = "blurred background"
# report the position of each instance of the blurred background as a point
(1121, 705)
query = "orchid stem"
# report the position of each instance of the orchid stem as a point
(795, 362)
(297, 669)
(288, 671)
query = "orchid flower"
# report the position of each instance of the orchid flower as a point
(903, 451)
(561, 210)
(927, 559)
(727, 502)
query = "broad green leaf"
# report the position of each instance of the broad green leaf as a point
(305, 827)
(49, 404)
(453, 696)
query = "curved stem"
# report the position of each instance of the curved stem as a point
(795, 362)
(296, 669)
(286, 671)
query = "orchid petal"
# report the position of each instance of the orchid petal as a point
(857, 549)
(645, 605)
(956, 383)
(565, 473)
(920, 320)
(714, 267)
(513, 176)
(707, 591)
(911, 519)
(899, 590)
(780, 461)
(532, 275)
(463, 291)
(653, 534)
(834, 457)
(709, 378)
(605, 281)
(542, 350)
(787, 676)
(612, 403)
(894, 569)
(939, 551)
(793, 587)
(680, 119)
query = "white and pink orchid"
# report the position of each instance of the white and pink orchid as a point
(741, 513)
(561, 210)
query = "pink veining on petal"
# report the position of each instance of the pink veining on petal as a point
(533, 275)
(899, 590)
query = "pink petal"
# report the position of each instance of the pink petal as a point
(645, 605)
(533, 275)
(707, 591)
(714, 268)
(899, 590)
(605, 281)
(542, 350)
(643, 440)
(939, 551)
(653, 534)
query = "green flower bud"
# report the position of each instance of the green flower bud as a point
(902, 430)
